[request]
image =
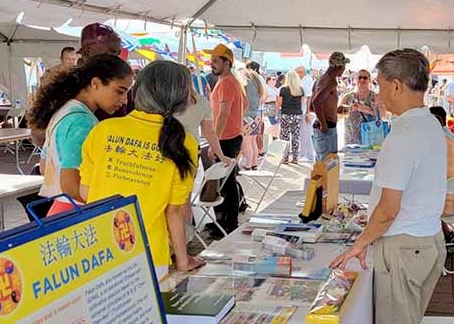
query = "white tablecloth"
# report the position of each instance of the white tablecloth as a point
(359, 305)
(13, 186)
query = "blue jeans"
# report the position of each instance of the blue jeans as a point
(324, 143)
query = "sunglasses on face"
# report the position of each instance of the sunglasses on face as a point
(363, 77)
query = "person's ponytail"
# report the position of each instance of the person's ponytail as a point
(164, 88)
(171, 145)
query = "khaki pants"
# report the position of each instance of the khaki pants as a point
(406, 270)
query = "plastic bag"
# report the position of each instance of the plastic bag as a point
(326, 308)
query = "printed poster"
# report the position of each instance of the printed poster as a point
(95, 271)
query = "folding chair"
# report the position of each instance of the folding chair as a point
(217, 171)
(267, 170)
(36, 152)
(449, 220)
(17, 114)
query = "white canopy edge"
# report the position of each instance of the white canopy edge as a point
(349, 40)
(106, 11)
(275, 26)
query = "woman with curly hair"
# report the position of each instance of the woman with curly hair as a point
(64, 107)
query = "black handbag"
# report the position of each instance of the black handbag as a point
(448, 231)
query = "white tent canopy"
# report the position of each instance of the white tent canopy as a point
(337, 25)
(269, 25)
(325, 25)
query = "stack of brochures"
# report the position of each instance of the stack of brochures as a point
(267, 265)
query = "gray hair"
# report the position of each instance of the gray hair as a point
(162, 87)
(409, 66)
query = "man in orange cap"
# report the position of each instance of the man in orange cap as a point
(228, 102)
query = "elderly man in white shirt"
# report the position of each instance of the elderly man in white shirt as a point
(407, 197)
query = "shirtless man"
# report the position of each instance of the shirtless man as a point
(324, 103)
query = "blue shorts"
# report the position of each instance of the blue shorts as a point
(324, 143)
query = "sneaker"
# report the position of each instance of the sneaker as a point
(294, 161)
(285, 161)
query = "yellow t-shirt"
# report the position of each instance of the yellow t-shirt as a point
(121, 156)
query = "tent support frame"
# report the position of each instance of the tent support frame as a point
(104, 10)
(201, 11)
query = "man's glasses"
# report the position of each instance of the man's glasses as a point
(363, 77)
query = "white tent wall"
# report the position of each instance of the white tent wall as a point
(12, 65)
(12, 77)
(19, 42)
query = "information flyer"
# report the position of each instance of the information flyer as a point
(96, 271)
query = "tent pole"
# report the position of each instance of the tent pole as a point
(201, 11)
(86, 7)
(3, 37)
(197, 68)
(11, 94)
(12, 34)
(182, 45)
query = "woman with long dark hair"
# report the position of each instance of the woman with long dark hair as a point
(147, 153)
(64, 108)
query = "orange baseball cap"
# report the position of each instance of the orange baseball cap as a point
(221, 50)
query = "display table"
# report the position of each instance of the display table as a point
(359, 304)
(359, 308)
(13, 186)
(15, 135)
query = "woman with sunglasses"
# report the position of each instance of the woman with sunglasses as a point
(363, 106)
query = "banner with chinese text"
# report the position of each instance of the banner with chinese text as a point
(87, 267)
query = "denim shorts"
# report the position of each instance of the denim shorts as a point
(324, 143)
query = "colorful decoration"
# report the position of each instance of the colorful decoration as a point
(148, 54)
(149, 41)
(450, 124)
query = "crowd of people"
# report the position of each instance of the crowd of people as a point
(105, 131)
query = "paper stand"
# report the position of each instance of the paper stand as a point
(88, 265)
(325, 175)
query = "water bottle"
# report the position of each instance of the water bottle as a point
(17, 104)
